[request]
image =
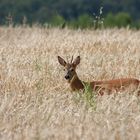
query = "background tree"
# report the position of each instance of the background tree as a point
(45, 11)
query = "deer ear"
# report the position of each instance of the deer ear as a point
(76, 61)
(62, 61)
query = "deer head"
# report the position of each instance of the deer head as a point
(69, 67)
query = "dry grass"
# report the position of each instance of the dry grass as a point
(37, 103)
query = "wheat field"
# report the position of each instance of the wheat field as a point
(36, 102)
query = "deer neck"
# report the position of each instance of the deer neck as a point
(76, 83)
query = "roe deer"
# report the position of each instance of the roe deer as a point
(100, 86)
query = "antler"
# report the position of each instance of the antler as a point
(72, 59)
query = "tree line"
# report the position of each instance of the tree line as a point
(73, 13)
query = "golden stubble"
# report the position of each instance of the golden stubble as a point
(35, 100)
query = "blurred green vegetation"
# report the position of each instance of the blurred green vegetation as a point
(74, 14)
(120, 20)
(83, 21)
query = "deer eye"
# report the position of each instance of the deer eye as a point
(72, 69)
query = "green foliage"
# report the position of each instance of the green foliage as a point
(83, 21)
(136, 24)
(75, 13)
(109, 20)
(120, 20)
(57, 20)
(123, 19)
(88, 97)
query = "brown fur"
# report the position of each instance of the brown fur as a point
(100, 86)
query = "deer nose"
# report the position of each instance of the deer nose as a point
(67, 77)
